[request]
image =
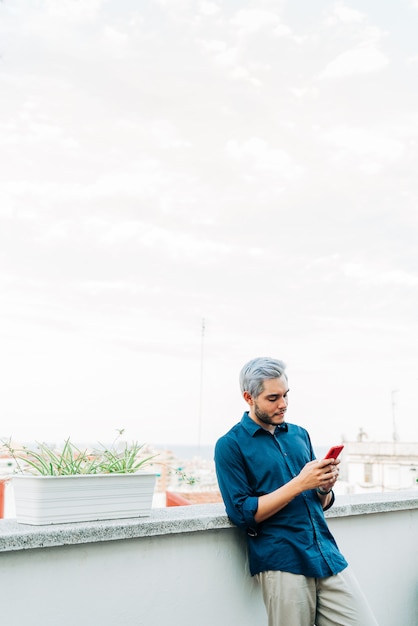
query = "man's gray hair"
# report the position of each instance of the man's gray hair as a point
(256, 371)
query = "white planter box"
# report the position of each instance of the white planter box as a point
(81, 498)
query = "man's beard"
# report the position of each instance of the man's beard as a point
(264, 417)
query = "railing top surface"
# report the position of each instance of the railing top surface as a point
(175, 520)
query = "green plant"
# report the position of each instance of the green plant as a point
(125, 461)
(118, 458)
(46, 460)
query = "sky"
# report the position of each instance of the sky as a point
(188, 184)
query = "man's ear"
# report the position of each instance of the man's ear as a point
(248, 398)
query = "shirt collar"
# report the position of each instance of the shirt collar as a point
(281, 428)
(252, 427)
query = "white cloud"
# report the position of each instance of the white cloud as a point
(177, 5)
(370, 149)
(147, 185)
(85, 10)
(167, 135)
(208, 8)
(228, 58)
(57, 231)
(109, 287)
(239, 72)
(364, 141)
(255, 21)
(116, 40)
(343, 13)
(223, 54)
(263, 158)
(36, 132)
(360, 60)
(177, 244)
(139, 234)
(368, 275)
(309, 92)
(249, 21)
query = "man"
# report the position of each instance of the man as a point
(275, 489)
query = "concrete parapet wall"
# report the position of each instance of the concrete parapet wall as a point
(187, 565)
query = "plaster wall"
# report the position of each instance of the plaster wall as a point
(184, 580)
(187, 566)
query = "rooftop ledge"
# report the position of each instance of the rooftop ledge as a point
(175, 520)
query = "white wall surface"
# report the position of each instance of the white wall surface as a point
(192, 579)
(382, 551)
(197, 578)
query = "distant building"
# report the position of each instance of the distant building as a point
(378, 466)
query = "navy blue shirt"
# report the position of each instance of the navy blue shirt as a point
(251, 462)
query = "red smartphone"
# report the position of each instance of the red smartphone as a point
(333, 452)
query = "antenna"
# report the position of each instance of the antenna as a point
(395, 435)
(202, 346)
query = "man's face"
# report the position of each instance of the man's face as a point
(269, 408)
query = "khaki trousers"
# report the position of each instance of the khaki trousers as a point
(294, 600)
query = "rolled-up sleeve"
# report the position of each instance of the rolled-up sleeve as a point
(241, 506)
